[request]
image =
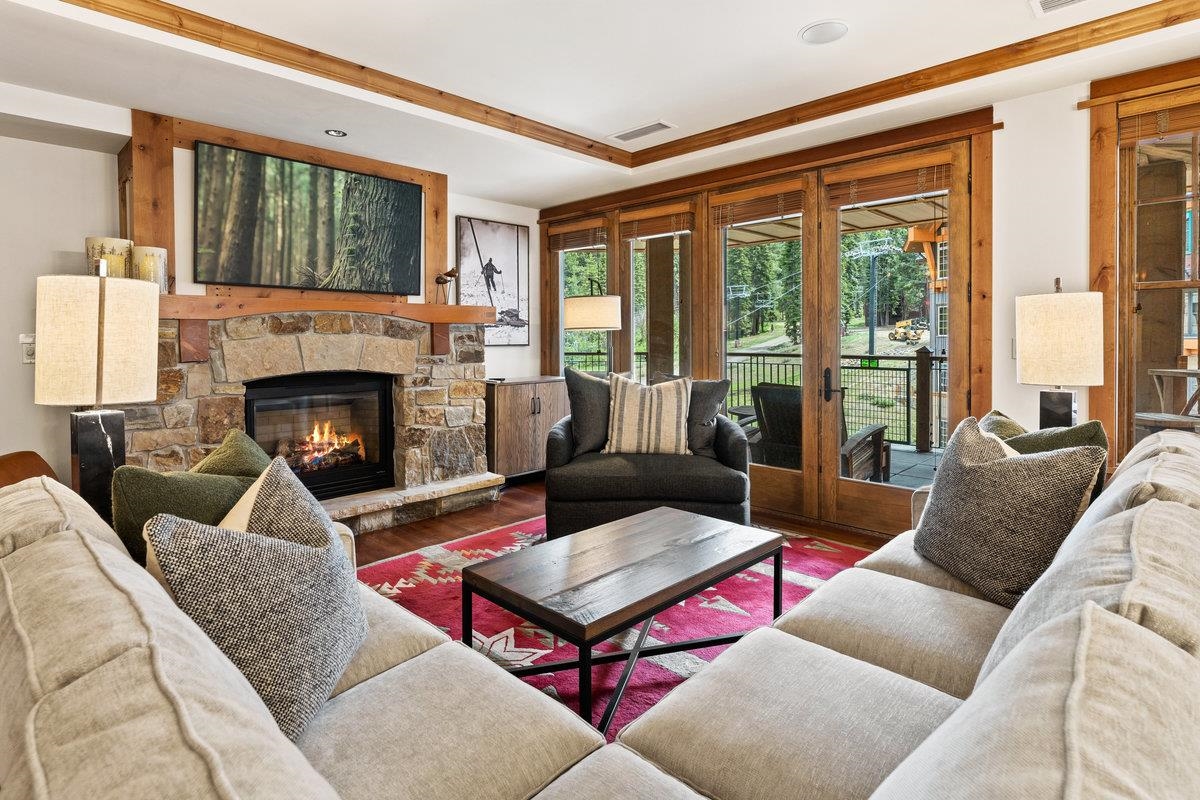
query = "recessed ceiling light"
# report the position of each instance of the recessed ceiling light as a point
(824, 32)
(335, 132)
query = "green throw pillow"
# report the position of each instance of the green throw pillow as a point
(138, 494)
(237, 455)
(1085, 434)
(204, 494)
(1000, 424)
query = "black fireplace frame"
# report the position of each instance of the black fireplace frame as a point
(326, 484)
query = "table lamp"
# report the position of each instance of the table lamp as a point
(97, 344)
(1060, 342)
(593, 312)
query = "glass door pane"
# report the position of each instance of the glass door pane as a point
(585, 271)
(1161, 215)
(894, 275)
(764, 336)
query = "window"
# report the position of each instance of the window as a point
(943, 320)
(585, 271)
(943, 260)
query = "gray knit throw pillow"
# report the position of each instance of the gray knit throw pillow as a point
(279, 599)
(994, 520)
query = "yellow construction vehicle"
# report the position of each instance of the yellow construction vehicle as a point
(904, 332)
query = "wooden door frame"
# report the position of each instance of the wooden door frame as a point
(882, 507)
(1111, 403)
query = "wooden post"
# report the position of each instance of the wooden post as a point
(152, 181)
(924, 400)
(660, 305)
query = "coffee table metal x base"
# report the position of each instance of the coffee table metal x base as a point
(587, 659)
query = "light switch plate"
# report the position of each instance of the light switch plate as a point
(28, 348)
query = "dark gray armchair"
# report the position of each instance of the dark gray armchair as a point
(595, 488)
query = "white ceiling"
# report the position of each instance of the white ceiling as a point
(597, 68)
(593, 69)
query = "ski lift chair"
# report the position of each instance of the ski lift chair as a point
(775, 440)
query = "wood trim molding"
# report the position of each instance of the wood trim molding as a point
(151, 182)
(1157, 102)
(802, 184)
(1152, 17)
(201, 306)
(1144, 82)
(591, 223)
(981, 273)
(234, 38)
(650, 212)
(1102, 400)
(901, 162)
(550, 305)
(959, 126)
(227, 36)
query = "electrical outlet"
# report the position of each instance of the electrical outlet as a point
(28, 348)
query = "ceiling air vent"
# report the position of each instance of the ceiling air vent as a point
(644, 130)
(1043, 7)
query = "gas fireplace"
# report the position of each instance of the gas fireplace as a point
(334, 429)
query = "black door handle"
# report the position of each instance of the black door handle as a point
(829, 390)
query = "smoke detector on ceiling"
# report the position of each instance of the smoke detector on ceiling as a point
(642, 130)
(1043, 7)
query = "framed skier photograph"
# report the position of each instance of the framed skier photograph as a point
(492, 259)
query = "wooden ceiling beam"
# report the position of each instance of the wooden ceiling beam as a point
(217, 33)
(1147, 18)
(234, 38)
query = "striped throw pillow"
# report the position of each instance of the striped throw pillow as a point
(648, 419)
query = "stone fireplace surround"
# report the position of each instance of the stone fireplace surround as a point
(440, 460)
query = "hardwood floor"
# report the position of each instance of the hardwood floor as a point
(520, 502)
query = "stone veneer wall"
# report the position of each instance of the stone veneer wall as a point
(438, 400)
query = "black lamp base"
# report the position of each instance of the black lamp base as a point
(97, 449)
(1057, 409)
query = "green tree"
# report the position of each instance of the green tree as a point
(790, 302)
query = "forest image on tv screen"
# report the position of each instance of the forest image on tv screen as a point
(268, 221)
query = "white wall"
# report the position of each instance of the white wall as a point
(508, 361)
(53, 197)
(1040, 223)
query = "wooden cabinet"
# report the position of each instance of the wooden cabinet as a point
(520, 414)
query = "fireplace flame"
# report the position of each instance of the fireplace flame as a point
(324, 440)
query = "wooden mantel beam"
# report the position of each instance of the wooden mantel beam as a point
(191, 306)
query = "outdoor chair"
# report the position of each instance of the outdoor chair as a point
(775, 438)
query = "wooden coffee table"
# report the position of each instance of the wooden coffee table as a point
(591, 585)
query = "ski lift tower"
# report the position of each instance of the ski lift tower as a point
(873, 250)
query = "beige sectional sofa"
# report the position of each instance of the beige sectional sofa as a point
(894, 680)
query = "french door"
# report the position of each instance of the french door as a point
(847, 331)
(895, 375)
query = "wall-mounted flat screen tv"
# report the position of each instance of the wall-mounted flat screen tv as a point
(268, 221)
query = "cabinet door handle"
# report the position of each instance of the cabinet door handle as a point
(539, 405)
(532, 406)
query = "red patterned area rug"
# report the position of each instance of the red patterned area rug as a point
(428, 583)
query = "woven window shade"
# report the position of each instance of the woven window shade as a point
(750, 209)
(575, 240)
(1159, 124)
(923, 180)
(658, 226)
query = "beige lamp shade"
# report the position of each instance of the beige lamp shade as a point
(72, 369)
(595, 312)
(1060, 339)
